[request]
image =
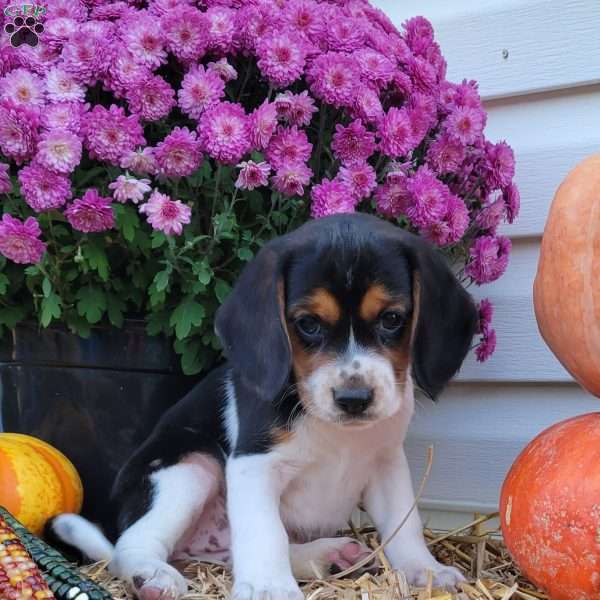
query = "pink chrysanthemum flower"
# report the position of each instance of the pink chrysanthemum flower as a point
(19, 241)
(465, 124)
(164, 7)
(392, 198)
(367, 105)
(126, 187)
(144, 39)
(361, 178)
(290, 179)
(85, 56)
(9, 58)
(345, 34)
(423, 75)
(486, 346)
(295, 109)
(5, 183)
(254, 22)
(64, 115)
(61, 86)
(486, 312)
(305, 16)
(179, 154)
(488, 258)
(224, 132)
(253, 175)
(109, 12)
(375, 67)
(43, 189)
(446, 154)
(223, 69)
(141, 162)
(419, 34)
(221, 29)
(428, 198)
(124, 72)
(288, 146)
(58, 30)
(512, 199)
(152, 98)
(200, 89)
(331, 198)
(396, 133)
(333, 78)
(110, 134)
(263, 124)
(91, 213)
(353, 144)
(281, 57)
(18, 130)
(22, 87)
(166, 215)
(59, 150)
(452, 226)
(500, 164)
(185, 31)
(39, 59)
(490, 216)
(71, 9)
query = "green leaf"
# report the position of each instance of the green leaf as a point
(192, 358)
(32, 271)
(203, 272)
(245, 253)
(78, 325)
(158, 239)
(46, 287)
(157, 322)
(161, 280)
(185, 316)
(222, 289)
(4, 283)
(115, 309)
(11, 315)
(91, 303)
(51, 308)
(96, 257)
(127, 221)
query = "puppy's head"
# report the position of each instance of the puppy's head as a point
(352, 307)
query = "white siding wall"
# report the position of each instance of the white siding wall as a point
(538, 67)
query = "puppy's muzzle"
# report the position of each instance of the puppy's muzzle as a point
(353, 401)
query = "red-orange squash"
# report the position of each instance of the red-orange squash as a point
(36, 480)
(550, 509)
(566, 291)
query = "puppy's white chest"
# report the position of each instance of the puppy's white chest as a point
(326, 481)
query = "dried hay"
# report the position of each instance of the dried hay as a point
(480, 555)
(477, 552)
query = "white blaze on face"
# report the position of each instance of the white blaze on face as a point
(357, 367)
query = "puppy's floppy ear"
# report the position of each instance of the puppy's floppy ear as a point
(251, 324)
(446, 319)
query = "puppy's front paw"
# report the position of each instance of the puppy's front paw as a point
(443, 576)
(267, 590)
(156, 580)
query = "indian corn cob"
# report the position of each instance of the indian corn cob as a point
(63, 579)
(20, 578)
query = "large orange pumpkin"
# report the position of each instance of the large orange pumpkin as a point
(36, 480)
(550, 509)
(566, 291)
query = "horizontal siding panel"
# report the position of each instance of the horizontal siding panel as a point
(548, 44)
(521, 354)
(477, 430)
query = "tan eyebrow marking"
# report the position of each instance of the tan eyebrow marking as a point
(321, 303)
(378, 298)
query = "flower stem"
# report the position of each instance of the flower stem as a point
(322, 115)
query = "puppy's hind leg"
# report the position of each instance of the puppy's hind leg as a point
(178, 496)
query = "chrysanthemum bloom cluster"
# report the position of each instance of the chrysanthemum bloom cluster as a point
(187, 116)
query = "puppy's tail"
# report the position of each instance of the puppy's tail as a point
(73, 530)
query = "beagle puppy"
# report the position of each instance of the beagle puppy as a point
(327, 332)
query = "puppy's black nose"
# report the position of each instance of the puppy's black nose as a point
(353, 401)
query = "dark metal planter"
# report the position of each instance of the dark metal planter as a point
(94, 399)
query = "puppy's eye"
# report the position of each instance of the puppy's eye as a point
(309, 326)
(390, 321)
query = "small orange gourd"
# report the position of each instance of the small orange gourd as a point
(36, 481)
(566, 291)
(550, 509)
